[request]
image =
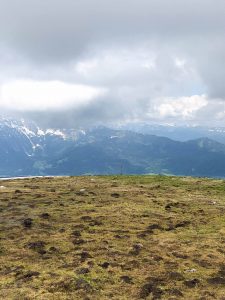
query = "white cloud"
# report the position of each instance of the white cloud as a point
(30, 95)
(183, 107)
(117, 65)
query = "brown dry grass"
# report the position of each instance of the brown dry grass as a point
(121, 237)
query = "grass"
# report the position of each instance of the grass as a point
(112, 237)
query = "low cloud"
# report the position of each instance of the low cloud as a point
(28, 95)
(184, 107)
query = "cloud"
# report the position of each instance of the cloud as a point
(28, 95)
(184, 107)
(109, 61)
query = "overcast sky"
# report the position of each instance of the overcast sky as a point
(79, 62)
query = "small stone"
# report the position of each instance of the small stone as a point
(192, 283)
(126, 279)
(53, 249)
(45, 216)
(154, 226)
(18, 192)
(37, 246)
(27, 223)
(115, 195)
(191, 270)
(105, 265)
(78, 241)
(76, 233)
(83, 271)
(84, 256)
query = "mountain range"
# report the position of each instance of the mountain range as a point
(26, 149)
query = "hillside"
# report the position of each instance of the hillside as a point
(26, 149)
(112, 237)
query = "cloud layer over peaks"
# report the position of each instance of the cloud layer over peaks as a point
(93, 61)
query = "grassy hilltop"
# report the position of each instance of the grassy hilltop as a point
(116, 237)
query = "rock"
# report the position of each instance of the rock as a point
(84, 256)
(115, 195)
(105, 265)
(37, 246)
(192, 283)
(126, 279)
(191, 270)
(45, 216)
(53, 249)
(136, 248)
(76, 233)
(18, 192)
(27, 223)
(83, 271)
(81, 192)
(78, 241)
(90, 263)
(154, 226)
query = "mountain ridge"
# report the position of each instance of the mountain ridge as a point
(26, 149)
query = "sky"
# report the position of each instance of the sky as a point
(88, 62)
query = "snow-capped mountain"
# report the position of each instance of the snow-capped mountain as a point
(24, 145)
(27, 149)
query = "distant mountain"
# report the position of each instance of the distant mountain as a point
(105, 151)
(26, 149)
(24, 146)
(178, 133)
